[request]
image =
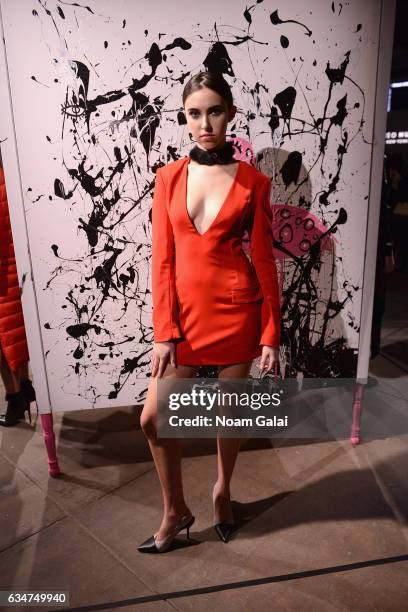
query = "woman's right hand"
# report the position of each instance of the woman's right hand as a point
(162, 353)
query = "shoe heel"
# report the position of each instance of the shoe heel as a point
(151, 545)
(191, 521)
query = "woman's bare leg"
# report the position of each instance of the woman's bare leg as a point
(166, 453)
(10, 379)
(23, 371)
(227, 452)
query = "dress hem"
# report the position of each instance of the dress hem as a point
(206, 362)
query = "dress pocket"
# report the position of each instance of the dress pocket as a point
(242, 295)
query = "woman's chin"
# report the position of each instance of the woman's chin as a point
(208, 143)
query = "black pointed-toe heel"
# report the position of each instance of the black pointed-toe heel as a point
(224, 529)
(152, 545)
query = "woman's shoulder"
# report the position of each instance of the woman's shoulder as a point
(256, 175)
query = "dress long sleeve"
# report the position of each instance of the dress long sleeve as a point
(263, 259)
(165, 310)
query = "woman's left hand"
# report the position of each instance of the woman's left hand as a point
(269, 359)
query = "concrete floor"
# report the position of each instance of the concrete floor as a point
(324, 526)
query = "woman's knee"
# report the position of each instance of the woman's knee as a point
(148, 424)
(148, 415)
(148, 418)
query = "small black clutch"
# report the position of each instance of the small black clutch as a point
(266, 382)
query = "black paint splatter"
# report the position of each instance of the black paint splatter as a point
(275, 20)
(284, 42)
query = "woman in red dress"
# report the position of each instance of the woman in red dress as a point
(211, 305)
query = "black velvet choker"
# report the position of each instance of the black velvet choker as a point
(223, 155)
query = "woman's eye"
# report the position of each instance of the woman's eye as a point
(194, 115)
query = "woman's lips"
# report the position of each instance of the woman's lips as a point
(206, 136)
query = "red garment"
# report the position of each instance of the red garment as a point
(218, 306)
(13, 339)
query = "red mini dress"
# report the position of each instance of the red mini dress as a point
(217, 305)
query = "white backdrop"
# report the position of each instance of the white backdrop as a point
(95, 102)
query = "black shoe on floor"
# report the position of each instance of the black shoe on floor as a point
(224, 530)
(17, 406)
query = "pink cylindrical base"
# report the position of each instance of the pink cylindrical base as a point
(47, 425)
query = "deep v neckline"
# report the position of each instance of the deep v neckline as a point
(221, 207)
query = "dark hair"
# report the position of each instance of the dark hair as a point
(212, 80)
